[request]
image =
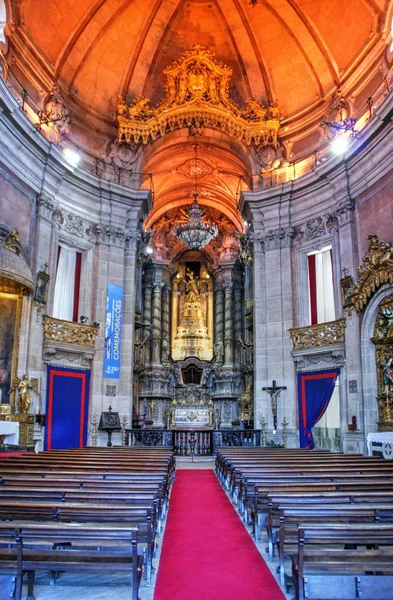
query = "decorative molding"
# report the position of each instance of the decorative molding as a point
(61, 356)
(279, 238)
(112, 236)
(197, 96)
(376, 270)
(47, 206)
(317, 336)
(342, 214)
(319, 358)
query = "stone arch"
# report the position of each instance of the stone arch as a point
(369, 375)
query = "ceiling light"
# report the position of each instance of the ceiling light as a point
(339, 144)
(197, 232)
(72, 157)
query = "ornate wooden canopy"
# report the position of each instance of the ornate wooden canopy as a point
(376, 269)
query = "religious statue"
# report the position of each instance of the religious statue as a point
(387, 369)
(24, 386)
(219, 351)
(56, 111)
(192, 287)
(245, 403)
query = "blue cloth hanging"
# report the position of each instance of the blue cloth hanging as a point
(315, 389)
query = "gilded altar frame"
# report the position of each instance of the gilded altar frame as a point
(9, 291)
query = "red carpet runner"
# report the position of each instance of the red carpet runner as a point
(207, 553)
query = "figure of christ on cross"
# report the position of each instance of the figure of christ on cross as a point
(273, 392)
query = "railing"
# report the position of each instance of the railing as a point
(148, 437)
(57, 331)
(317, 336)
(193, 442)
(237, 437)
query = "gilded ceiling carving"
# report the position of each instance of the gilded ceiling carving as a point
(197, 96)
(195, 168)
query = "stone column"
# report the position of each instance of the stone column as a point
(259, 335)
(156, 324)
(175, 310)
(165, 325)
(228, 326)
(219, 343)
(237, 323)
(351, 397)
(147, 332)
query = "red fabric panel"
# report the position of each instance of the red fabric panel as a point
(77, 283)
(58, 257)
(312, 280)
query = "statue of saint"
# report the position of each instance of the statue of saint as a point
(192, 287)
(387, 369)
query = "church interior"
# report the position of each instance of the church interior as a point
(196, 253)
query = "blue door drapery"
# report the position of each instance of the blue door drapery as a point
(315, 390)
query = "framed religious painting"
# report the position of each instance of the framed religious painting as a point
(345, 284)
(10, 310)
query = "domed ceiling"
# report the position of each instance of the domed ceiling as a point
(295, 52)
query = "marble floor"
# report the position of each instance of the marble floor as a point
(117, 586)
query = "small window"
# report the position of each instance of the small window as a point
(320, 279)
(67, 284)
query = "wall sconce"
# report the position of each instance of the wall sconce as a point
(41, 289)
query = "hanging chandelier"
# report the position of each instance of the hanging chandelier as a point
(196, 232)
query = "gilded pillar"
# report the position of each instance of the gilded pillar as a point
(165, 326)
(156, 324)
(219, 342)
(228, 326)
(147, 322)
(210, 315)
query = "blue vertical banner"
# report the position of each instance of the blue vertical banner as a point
(114, 317)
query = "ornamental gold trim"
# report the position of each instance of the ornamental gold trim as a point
(197, 96)
(57, 331)
(376, 270)
(317, 336)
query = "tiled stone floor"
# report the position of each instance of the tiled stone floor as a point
(117, 586)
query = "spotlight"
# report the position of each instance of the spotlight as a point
(340, 144)
(148, 250)
(72, 157)
(83, 319)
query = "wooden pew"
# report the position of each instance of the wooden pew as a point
(291, 518)
(292, 499)
(27, 548)
(337, 562)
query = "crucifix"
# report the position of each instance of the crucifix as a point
(274, 391)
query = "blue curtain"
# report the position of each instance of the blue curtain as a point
(315, 389)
